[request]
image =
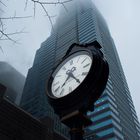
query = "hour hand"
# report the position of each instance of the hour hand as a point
(72, 76)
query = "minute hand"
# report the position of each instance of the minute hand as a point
(72, 76)
(66, 81)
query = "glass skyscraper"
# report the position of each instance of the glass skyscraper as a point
(114, 117)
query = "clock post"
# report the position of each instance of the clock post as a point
(76, 83)
(76, 121)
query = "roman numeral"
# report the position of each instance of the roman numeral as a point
(71, 62)
(84, 73)
(58, 75)
(64, 68)
(70, 89)
(61, 93)
(57, 89)
(56, 83)
(84, 60)
(86, 65)
(78, 59)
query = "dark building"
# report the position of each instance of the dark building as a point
(114, 117)
(13, 80)
(16, 124)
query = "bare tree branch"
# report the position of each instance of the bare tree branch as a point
(51, 3)
(15, 33)
(26, 3)
(7, 36)
(3, 3)
(15, 17)
(34, 9)
(1, 49)
(64, 7)
(4, 36)
(43, 3)
(1, 24)
(47, 15)
(4, 39)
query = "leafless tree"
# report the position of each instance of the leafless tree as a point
(5, 36)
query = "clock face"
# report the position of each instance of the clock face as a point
(70, 74)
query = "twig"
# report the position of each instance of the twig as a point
(26, 3)
(43, 3)
(47, 15)
(3, 3)
(51, 3)
(15, 33)
(8, 36)
(34, 9)
(1, 49)
(64, 7)
(4, 34)
(14, 17)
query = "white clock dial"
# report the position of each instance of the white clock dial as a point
(70, 75)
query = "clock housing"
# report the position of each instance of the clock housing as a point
(88, 91)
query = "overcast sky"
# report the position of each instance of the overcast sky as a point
(123, 20)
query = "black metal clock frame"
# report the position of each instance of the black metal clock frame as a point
(82, 99)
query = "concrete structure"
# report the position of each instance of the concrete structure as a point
(16, 124)
(13, 80)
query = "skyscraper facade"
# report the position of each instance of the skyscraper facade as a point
(114, 117)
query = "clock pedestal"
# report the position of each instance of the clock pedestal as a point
(71, 88)
(76, 121)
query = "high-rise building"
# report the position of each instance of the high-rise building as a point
(13, 81)
(114, 117)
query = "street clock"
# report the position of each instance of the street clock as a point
(78, 80)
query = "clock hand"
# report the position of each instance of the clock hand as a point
(74, 79)
(66, 80)
(69, 72)
(72, 76)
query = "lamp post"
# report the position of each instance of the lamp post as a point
(76, 121)
(75, 85)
